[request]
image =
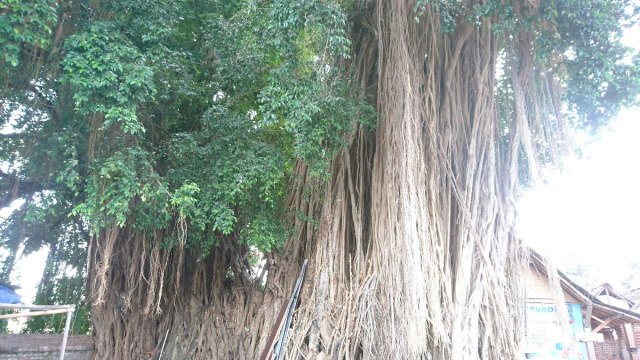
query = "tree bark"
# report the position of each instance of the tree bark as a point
(415, 255)
(205, 308)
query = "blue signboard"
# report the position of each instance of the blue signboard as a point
(547, 339)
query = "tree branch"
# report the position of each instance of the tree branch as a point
(17, 136)
(12, 188)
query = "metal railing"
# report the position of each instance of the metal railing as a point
(41, 310)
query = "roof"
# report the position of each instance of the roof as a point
(602, 312)
(634, 296)
(609, 295)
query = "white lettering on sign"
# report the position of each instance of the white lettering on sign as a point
(546, 338)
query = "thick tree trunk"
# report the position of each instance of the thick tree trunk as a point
(414, 257)
(150, 302)
(192, 303)
(122, 327)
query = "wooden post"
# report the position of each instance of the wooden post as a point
(628, 331)
(622, 343)
(591, 351)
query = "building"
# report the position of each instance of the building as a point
(587, 328)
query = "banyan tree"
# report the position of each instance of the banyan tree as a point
(181, 159)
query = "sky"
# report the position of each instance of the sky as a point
(588, 212)
(27, 274)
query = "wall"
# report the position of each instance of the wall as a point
(537, 287)
(607, 350)
(636, 333)
(44, 347)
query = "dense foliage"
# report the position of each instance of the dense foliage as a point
(162, 115)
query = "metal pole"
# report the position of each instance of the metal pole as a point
(163, 344)
(34, 313)
(36, 307)
(292, 305)
(67, 325)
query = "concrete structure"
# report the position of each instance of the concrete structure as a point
(44, 347)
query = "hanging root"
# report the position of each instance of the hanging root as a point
(416, 255)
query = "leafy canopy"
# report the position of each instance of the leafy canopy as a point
(157, 114)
